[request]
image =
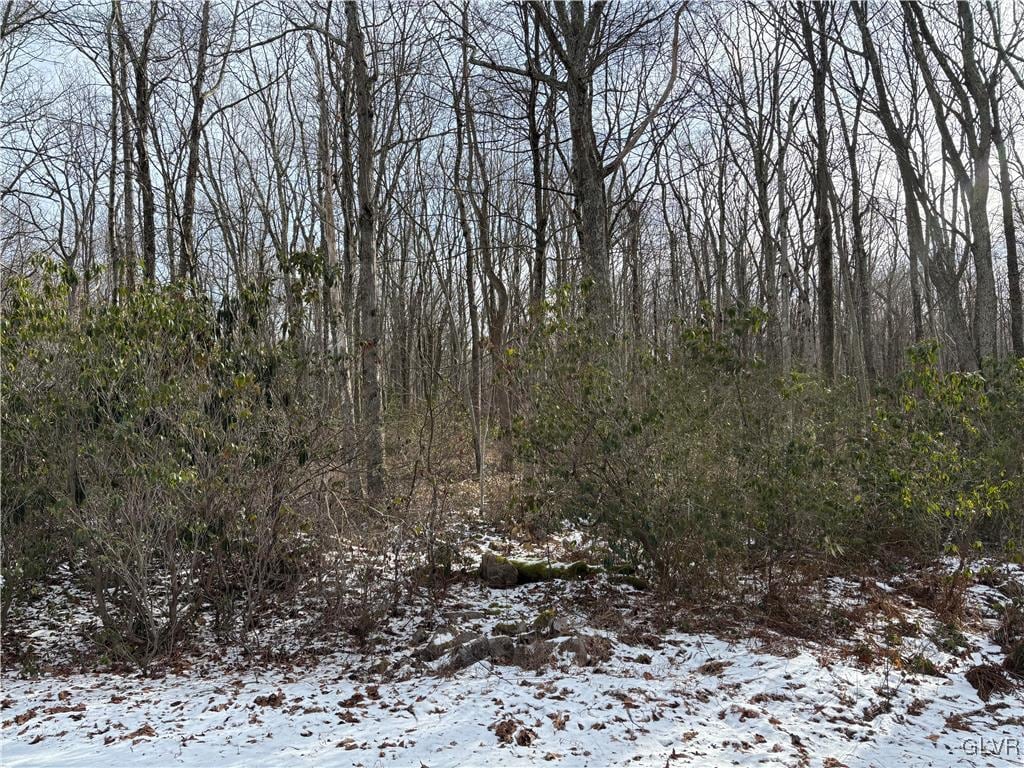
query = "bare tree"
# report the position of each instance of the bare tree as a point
(369, 323)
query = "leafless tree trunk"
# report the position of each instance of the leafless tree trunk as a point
(139, 58)
(975, 117)
(1010, 232)
(371, 415)
(817, 53)
(187, 267)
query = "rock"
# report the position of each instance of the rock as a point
(559, 626)
(470, 653)
(456, 617)
(629, 580)
(510, 628)
(532, 656)
(502, 647)
(436, 649)
(499, 648)
(587, 649)
(498, 572)
(429, 653)
(547, 624)
(541, 570)
(420, 636)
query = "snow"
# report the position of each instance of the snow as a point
(753, 709)
(664, 699)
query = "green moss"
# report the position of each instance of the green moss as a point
(949, 639)
(544, 619)
(506, 628)
(539, 570)
(633, 581)
(622, 569)
(922, 665)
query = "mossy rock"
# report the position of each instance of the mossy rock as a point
(497, 571)
(495, 568)
(629, 580)
(512, 628)
(539, 570)
(544, 619)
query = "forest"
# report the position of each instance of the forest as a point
(504, 383)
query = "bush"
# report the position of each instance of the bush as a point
(157, 442)
(938, 469)
(704, 464)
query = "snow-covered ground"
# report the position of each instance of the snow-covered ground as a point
(597, 688)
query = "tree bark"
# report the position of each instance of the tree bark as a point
(896, 134)
(113, 245)
(975, 117)
(369, 321)
(140, 69)
(335, 348)
(817, 54)
(187, 269)
(1009, 232)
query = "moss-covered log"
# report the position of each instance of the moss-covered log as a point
(506, 572)
(538, 570)
(501, 571)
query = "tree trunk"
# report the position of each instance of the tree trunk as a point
(112, 241)
(975, 120)
(335, 346)
(369, 322)
(145, 172)
(188, 244)
(896, 134)
(822, 216)
(128, 254)
(591, 205)
(1010, 234)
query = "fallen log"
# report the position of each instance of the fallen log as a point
(500, 571)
